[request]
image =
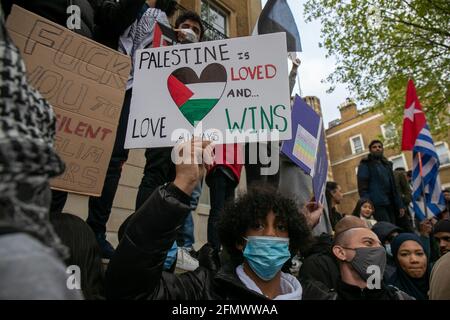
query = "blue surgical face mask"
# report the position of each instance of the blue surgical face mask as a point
(266, 255)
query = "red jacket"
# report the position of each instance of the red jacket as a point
(230, 156)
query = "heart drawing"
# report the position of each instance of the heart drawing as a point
(195, 97)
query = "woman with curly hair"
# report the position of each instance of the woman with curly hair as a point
(260, 231)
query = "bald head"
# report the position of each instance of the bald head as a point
(348, 223)
(354, 238)
(354, 235)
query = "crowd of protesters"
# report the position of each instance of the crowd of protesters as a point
(271, 242)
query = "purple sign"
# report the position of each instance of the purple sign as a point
(307, 146)
(320, 170)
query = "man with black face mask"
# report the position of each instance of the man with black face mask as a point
(362, 260)
(376, 182)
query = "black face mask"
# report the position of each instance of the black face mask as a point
(366, 257)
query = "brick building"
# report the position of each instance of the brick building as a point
(348, 139)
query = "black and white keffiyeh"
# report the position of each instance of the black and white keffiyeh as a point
(139, 35)
(27, 156)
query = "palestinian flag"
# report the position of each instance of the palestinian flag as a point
(196, 97)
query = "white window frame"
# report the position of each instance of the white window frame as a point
(402, 155)
(383, 130)
(353, 146)
(448, 151)
(215, 6)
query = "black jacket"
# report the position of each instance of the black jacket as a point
(319, 263)
(135, 271)
(101, 20)
(370, 184)
(56, 11)
(321, 267)
(112, 18)
(349, 292)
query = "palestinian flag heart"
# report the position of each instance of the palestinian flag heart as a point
(195, 97)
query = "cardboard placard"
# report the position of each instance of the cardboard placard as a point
(210, 89)
(85, 82)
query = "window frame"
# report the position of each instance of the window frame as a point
(401, 155)
(383, 131)
(219, 10)
(352, 146)
(448, 152)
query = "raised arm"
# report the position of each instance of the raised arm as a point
(135, 271)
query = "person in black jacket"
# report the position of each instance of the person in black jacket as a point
(362, 260)
(101, 20)
(376, 182)
(56, 11)
(322, 265)
(259, 233)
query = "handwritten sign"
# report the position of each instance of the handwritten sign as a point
(85, 83)
(236, 87)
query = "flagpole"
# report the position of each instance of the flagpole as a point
(419, 154)
(299, 87)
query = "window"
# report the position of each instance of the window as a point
(216, 21)
(399, 161)
(443, 153)
(388, 130)
(357, 144)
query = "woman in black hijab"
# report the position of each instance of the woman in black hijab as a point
(413, 272)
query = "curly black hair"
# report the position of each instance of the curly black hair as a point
(240, 215)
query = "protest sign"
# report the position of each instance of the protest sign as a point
(85, 83)
(307, 147)
(211, 89)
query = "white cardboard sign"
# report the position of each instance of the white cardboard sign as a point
(213, 89)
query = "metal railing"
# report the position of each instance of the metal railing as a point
(211, 33)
